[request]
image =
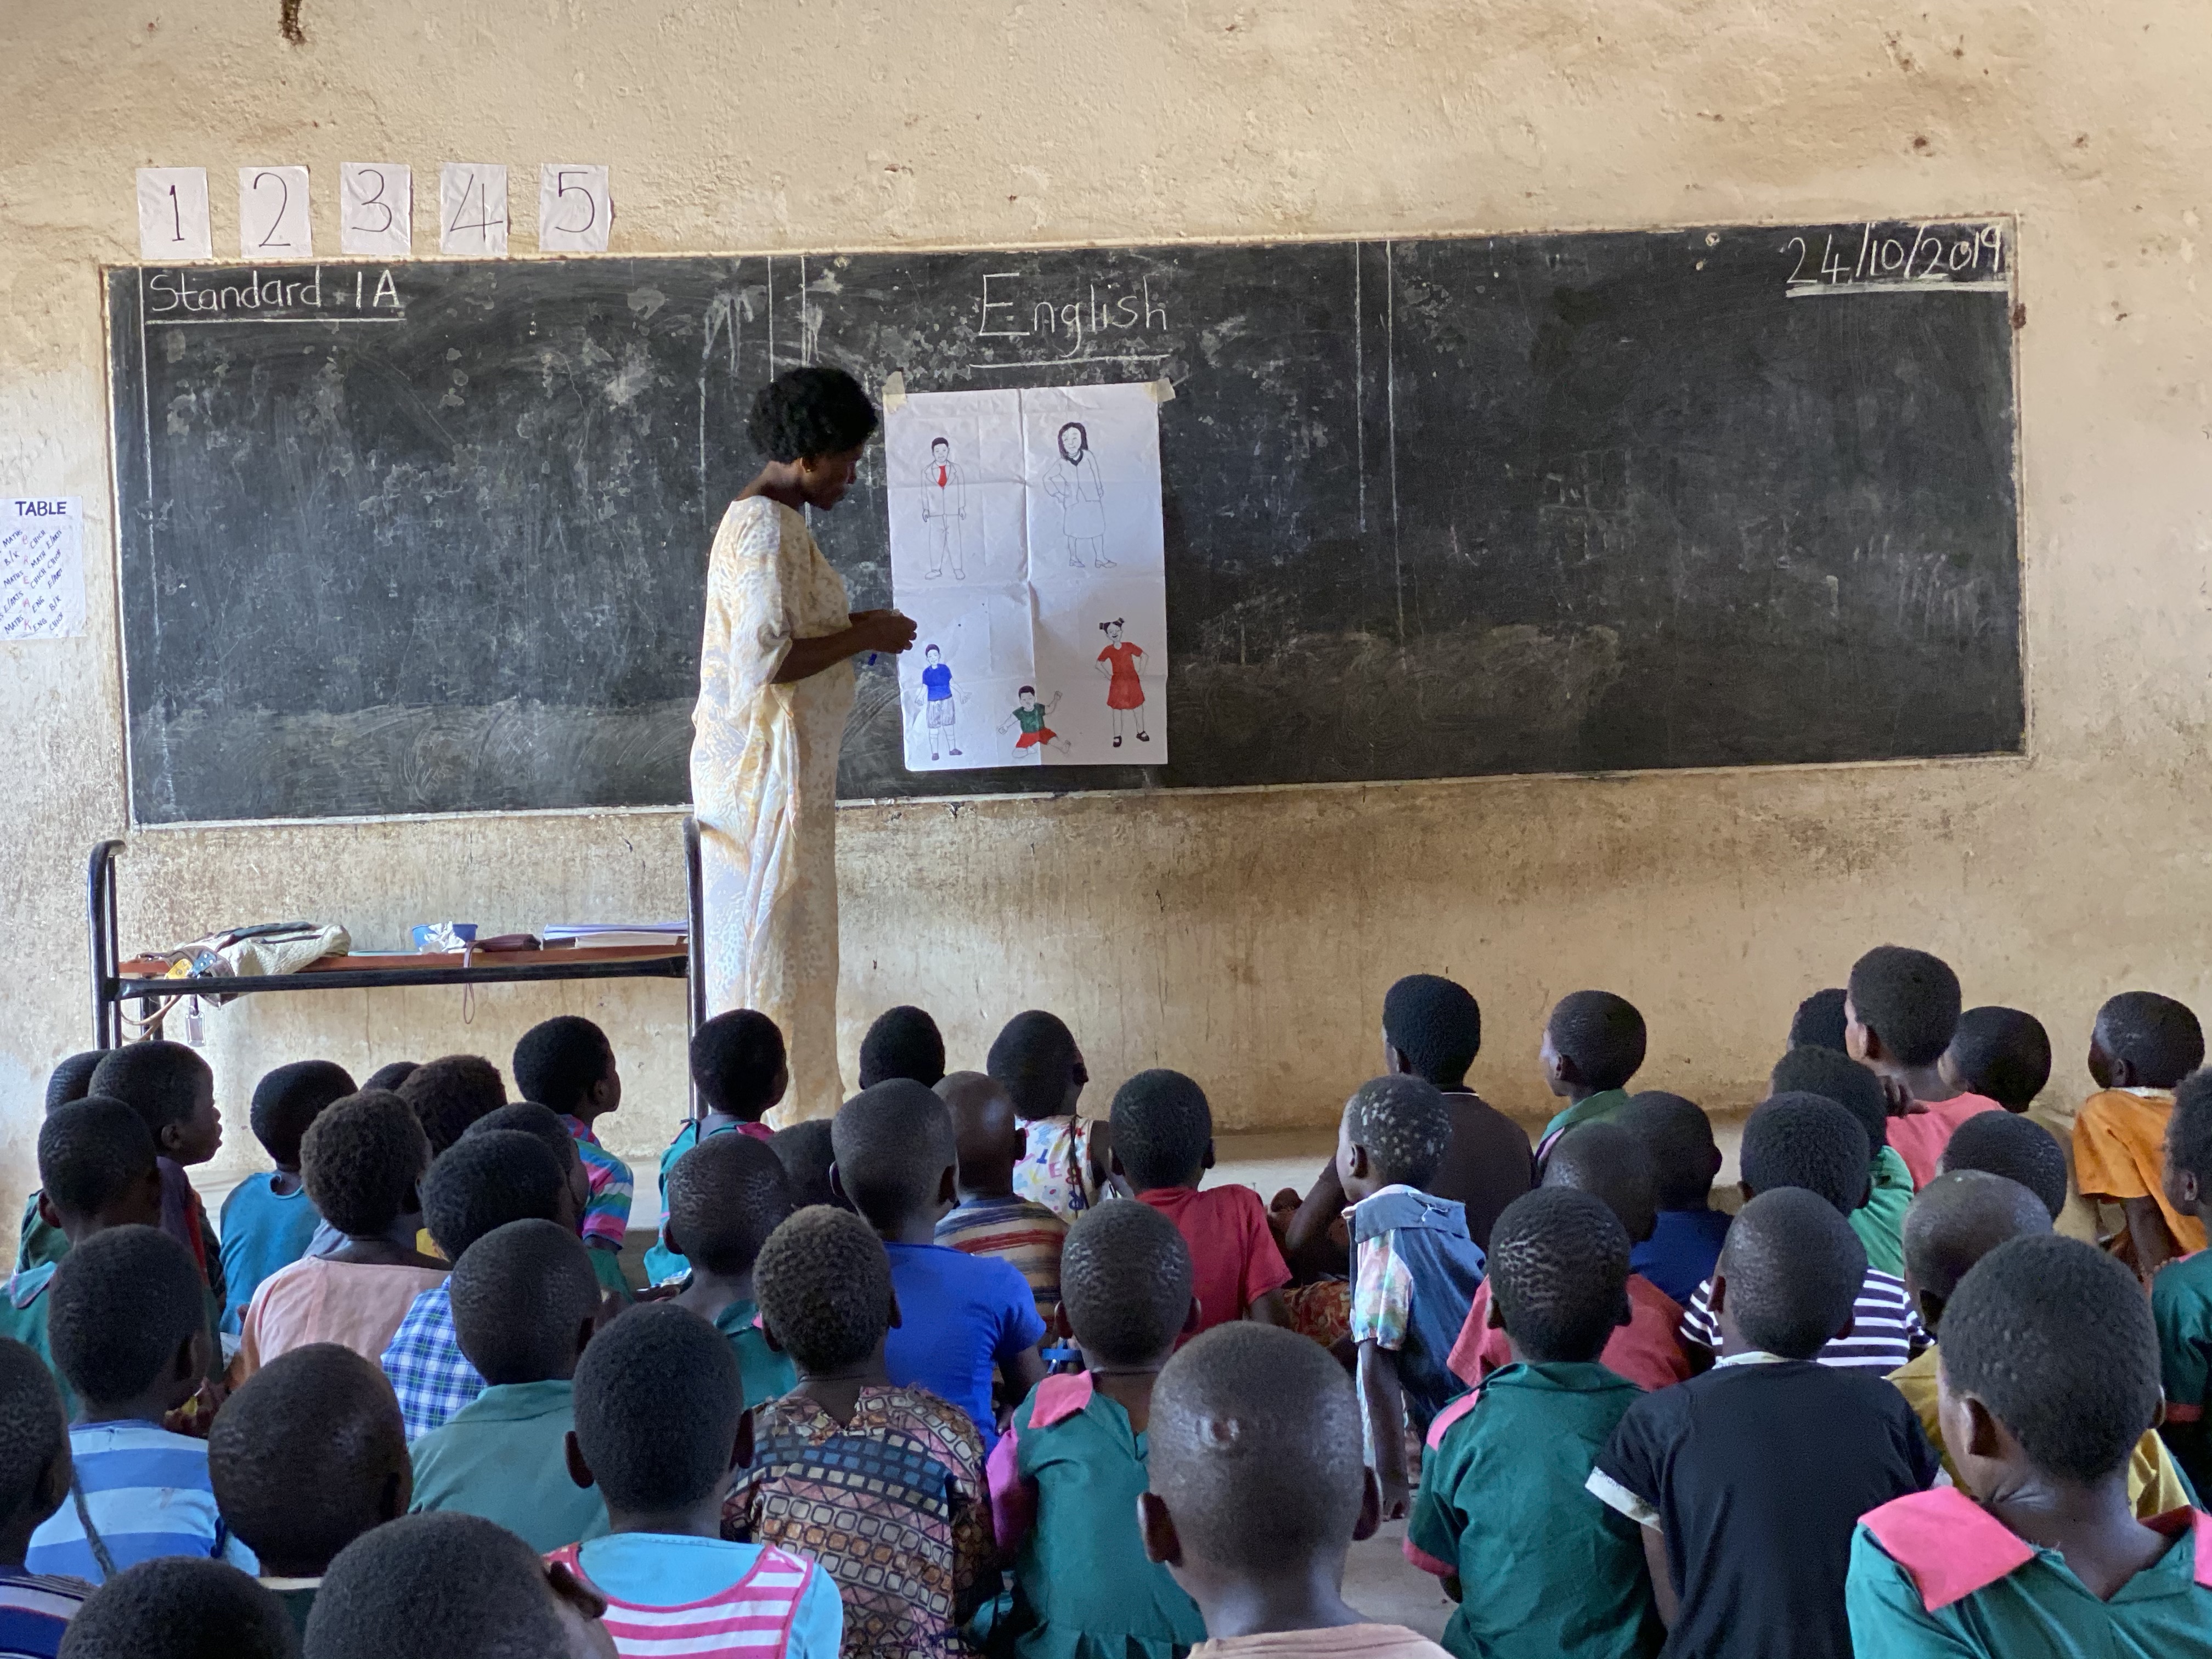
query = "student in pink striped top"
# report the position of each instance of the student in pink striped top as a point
(660, 1422)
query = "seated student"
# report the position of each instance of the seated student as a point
(911, 1548)
(660, 1424)
(1748, 1481)
(1606, 1161)
(450, 1093)
(1958, 1219)
(991, 1219)
(738, 1072)
(524, 1300)
(1065, 1477)
(1819, 1021)
(267, 1221)
(2016, 1148)
(1593, 1044)
(725, 1197)
(806, 1150)
(129, 1335)
(1065, 1158)
(305, 1458)
(904, 1041)
(2181, 1294)
(364, 1159)
(1503, 1509)
(567, 1063)
(2050, 1375)
(1901, 1013)
(451, 1586)
(387, 1078)
(173, 1090)
(2143, 1045)
(1258, 1493)
(181, 1609)
(2000, 1054)
(37, 1241)
(1162, 1147)
(1879, 1222)
(543, 1125)
(96, 1170)
(34, 1481)
(963, 1314)
(492, 1177)
(1809, 1141)
(1686, 1231)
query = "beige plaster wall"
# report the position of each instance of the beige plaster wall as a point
(1244, 937)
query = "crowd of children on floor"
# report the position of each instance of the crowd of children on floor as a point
(964, 1370)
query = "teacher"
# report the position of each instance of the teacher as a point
(775, 683)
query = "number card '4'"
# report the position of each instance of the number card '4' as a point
(272, 214)
(376, 208)
(172, 214)
(574, 209)
(472, 208)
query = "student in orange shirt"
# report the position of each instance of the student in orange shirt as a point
(2142, 1045)
(1900, 1011)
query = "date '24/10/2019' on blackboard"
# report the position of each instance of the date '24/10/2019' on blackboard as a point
(1884, 258)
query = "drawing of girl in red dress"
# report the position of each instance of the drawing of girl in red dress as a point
(1125, 692)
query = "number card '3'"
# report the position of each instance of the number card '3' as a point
(376, 208)
(472, 208)
(574, 209)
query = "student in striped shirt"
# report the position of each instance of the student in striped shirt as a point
(130, 1334)
(660, 1422)
(1808, 1141)
(992, 1218)
(34, 1481)
(567, 1064)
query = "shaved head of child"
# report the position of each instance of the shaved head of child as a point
(1788, 1275)
(1819, 1021)
(1558, 1274)
(1902, 1008)
(175, 1606)
(2001, 1055)
(1393, 1132)
(172, 1089)
(2189, 1145)
(2144, 1041)
(1608, 1162)
(725, 1197)
(1125, 1278)
(738, 1066)
(2015, 1148)
(988, 1137)
(1593, 1041)
(1836, 1076)
(1036, 1057)
(1163, 1130)
(904, 1041)
(807, 1151)
(524, 1297)
(896, 1158)
(1432, 1027)
(1956, 1220)
(1810, 1142)
(1678, 1137)
(825, 1288)
(289, 1099)
(448, 1094)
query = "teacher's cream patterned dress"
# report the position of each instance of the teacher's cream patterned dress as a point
(764, 790)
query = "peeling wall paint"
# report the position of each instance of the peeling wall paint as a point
(1245, 938)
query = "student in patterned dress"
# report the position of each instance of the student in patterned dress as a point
(881, 1484)
(1065, 1156)
(567, 1063)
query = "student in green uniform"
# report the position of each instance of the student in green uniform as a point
(1879, 1222)
(738, 1073)
(2181, 1294)
(308, 1455)
(1065, 1477)
(2050, 1374)
(1503, 1509)
(38, 1241)
(725, 1197)
(96, 1170)
(1593, 1044)
(524, 1300)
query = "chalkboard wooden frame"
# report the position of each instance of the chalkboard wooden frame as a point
(1442, 507)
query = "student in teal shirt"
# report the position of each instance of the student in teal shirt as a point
(725, 1197)
(524, 1300)
(267, 1221)
(1593, 1044)
(738, 1074)
(2181, 1294)
(1504, 1517)
(2050, 1375)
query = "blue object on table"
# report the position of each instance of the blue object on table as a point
(443, 936)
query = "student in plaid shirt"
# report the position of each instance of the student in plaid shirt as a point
(567, 1064)
(496, 1173)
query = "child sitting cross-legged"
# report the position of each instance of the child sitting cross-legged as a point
(962, 1315)
(1686, 1231)
(1593, 1042)
(567, 1064)
(268, 1221)
(738, 1072)
(364, 1158)
(1065, 1477)
(1879, 1220)
(130, 1334)
(1748, 1481)
(2048, 1378)
(305, 1458)
(2017, 1148)
(1535, 1562)
(660, 1423)
(992, 1218)
(2181, 1294)
(1608, 1162)
(176, 1608)
(904, 1041)
(1414, 1269)
(883, 1484)
(1067, 1159)
(34, 1481)
(524, 1300)
(1959, 1218)
(2141, 1048)
(1257, 1493)
(725, 1197)
(1162, 1147)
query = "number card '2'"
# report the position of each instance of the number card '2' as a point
(376, 208)
(574, 209)
(472, 208)
(273, 222)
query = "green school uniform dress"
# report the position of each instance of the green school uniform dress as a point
(38, 1242)
(1545, 1567)
(1590, 1108)
(504, 1456)
(297, 1597)
(1935, 1576)
(23, 1317)
(1064, 1482)
(2181, 1303)
(768, 1375)
(1880, 1222)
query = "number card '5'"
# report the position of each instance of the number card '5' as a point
(574, 209)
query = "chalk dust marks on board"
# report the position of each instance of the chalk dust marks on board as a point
(720, 332)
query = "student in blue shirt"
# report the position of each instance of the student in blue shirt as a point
(1684, 1245)
(660, 1422)
(129, 1329)
(960, 1314)
(267, 1220)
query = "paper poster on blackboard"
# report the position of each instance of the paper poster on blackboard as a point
(1026, 543)
(41, 568)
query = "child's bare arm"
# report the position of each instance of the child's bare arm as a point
(1663, 1582)
(2154, 1243)
(1307, 1244)
(1382, 1397)
(1024, 1372)
(1268, 1308)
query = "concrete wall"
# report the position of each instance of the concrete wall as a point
(1246, 938)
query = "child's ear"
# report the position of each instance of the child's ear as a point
(948, 1185)
(584, 1331)
(1930, 1308)
(53, 1486)
(895, 1310)
(1625, 1314)
(837, 1187)
(1021, 1143)
(1716, 1298)
(1747, 1191)
(1362, 1166)
(1496, 1322)
(1208, 1163)
(398, 1492)
(1195, 1318)
(1850, 1324)
(741, 1449)
(573, 1455)
(1157, 1529)
(1985, 1435)
(2125, 1075)
(1370, 1508)
(668, 1233)
(53, 1216)
(769, 1331)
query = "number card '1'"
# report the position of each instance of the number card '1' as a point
(574, 209)
(376, 208)
(272, 214)
(172, 214)
(472, 208)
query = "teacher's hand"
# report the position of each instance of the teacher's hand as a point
(883, 631)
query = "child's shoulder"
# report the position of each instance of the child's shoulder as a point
(2186, 1280)
(930, 1418)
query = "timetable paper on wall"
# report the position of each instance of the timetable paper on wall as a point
(41, 567)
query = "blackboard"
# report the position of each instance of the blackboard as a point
(430, 536)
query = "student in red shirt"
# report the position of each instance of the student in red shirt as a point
(1163, 1139)
(1899, 1015)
